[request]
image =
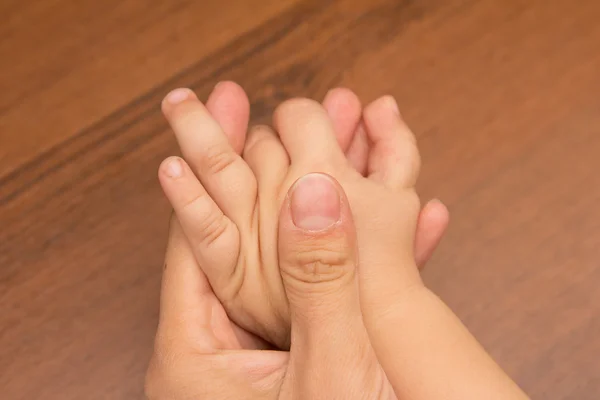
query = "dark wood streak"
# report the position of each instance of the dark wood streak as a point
(148, 102)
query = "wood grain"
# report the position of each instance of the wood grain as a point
(503, 96)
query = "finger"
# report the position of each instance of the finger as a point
(229, 106)
(185, 298)
(185, 313)
(265, 155)
(431, 226)
(205, 225)
(307, 134)
(318, 253)
(358, 152)
(394, 159)
(205, 147)
(316, 249)
(344, 109)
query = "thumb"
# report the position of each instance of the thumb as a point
(318, 259)
(317, 250)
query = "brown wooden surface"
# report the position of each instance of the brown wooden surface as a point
(504, 98)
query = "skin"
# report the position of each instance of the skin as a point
(235, 238)
(366, 329)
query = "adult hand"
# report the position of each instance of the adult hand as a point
(200, 354)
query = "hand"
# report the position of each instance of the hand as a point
(246, 281)
(200, 354)
(413, 339)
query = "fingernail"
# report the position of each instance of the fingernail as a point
(174, 168)
(177, 96)
(315, 203)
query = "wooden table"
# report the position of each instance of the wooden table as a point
(504, 96)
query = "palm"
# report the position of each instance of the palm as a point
(268, 371)
(244, 355)
(226, 334)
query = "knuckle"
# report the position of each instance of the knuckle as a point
(194, 202)
(318, 261)
(218, 158)
(212, 227)
(315, 272)
(211, 223)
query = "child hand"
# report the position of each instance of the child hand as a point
(230, 215)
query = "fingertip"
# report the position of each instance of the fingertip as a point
(176, 97)
(341, 97)
(433, 222)
(306, 131)
(230, 86)
(344, 108)
(394, 156)
(381, 107)
(438, 211)
(172, 168)
(229, 105)
(175, 178)
(390, 103)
